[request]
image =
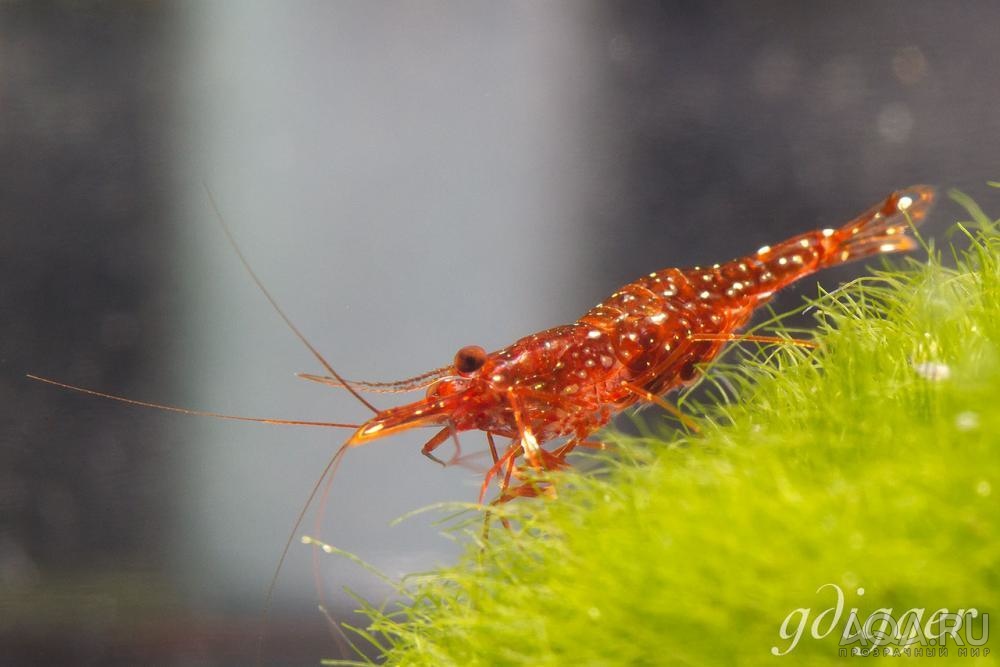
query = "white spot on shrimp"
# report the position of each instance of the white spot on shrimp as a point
(782, 260)
(844, 255)
(528, 442)
(805, 243)
(590, 363)
(607, 361)
(594, 333)
(887, 247)
(658, 318)
(497, 378)
(904, 203)
(763, 250)
(797, 259)
(827, 232)
(374, 428)
(571, 389)
(737, 286)
(670, 291)
(707, 277)
(705, 294)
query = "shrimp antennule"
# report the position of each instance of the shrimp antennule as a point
(414, 383)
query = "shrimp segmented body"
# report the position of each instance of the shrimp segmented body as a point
(645, 340)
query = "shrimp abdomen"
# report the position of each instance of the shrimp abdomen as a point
(884, 228)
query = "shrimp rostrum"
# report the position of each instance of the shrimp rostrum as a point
(557, 387)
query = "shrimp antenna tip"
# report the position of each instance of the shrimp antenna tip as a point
(274, 303)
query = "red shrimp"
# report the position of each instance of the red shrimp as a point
(646, 339)
(565, 383)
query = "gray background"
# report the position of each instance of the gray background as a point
(407, 178)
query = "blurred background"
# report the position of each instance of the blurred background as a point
(407, 178)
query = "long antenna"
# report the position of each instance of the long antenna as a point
(277, 308)
(329, 470)
(188, 411)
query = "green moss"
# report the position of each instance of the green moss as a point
(869, 463)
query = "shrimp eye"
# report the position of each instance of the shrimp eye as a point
(470, 359)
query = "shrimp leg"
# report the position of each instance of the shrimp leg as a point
(688, 423)
(751, 338)
(435, 442)
(507, 460)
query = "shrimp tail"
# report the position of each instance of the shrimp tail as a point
(884, 228)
